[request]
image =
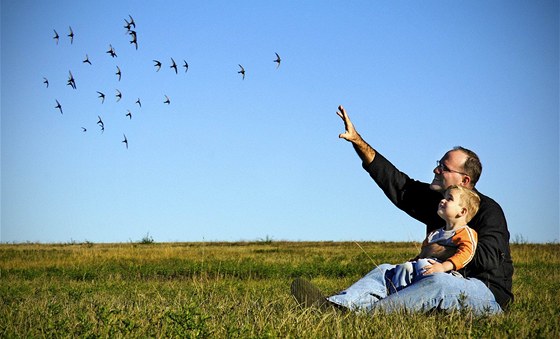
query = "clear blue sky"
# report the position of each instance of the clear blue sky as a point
(232, 159)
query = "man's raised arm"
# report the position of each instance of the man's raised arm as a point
(364, 150)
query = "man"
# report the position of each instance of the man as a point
(485, 284)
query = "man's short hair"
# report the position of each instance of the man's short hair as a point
(472, 166)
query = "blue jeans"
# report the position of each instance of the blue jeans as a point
(405, 274)
(439, 291)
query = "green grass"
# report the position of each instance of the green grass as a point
(239, 290)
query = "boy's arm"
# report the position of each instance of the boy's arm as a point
(436, 267)
(465, 239)
(441, 252)
(435, 250)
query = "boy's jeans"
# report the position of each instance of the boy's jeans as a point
(439, 291)
(406, 274)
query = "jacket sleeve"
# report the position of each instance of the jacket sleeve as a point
(493, 237)
(411, 196)
(466, 241)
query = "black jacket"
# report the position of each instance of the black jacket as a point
(492, 262)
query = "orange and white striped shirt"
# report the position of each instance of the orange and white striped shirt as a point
(464, 239)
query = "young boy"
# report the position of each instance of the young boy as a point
(457, 208)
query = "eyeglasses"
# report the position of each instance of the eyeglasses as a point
(444, 168)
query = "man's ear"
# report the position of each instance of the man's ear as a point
(466, 181)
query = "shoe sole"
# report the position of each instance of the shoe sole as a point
(307, 294)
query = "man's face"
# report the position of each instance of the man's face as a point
(449, 171)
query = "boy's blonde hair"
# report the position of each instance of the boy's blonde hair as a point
(469, 199)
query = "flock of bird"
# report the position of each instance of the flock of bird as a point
(130, 26)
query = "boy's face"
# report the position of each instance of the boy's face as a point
(450, 207)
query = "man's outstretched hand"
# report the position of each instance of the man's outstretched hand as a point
(365, 151)
(350, 134)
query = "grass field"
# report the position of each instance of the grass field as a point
(239, 290)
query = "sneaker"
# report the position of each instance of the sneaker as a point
(308, 295)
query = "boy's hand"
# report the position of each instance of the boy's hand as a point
(437, 267)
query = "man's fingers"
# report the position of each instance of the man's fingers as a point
(348, 134)
(341, 112)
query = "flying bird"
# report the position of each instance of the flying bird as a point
(118, 73)
(242, 71)
(129, 114)
(71, 81)
(134, 38)
(101, 124)
(46, 81)
(138, 102)
(167, 101)
(119, 95)
(278, 60)
(71, 35)
(125, 141)
(55, 37)
(59, 106)
(127, 25)
(86, 61)
(186, 65)
(112, 51)
(84, 129)
(174, 65)
(158, 65)
(102, 96)
(130, 23)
